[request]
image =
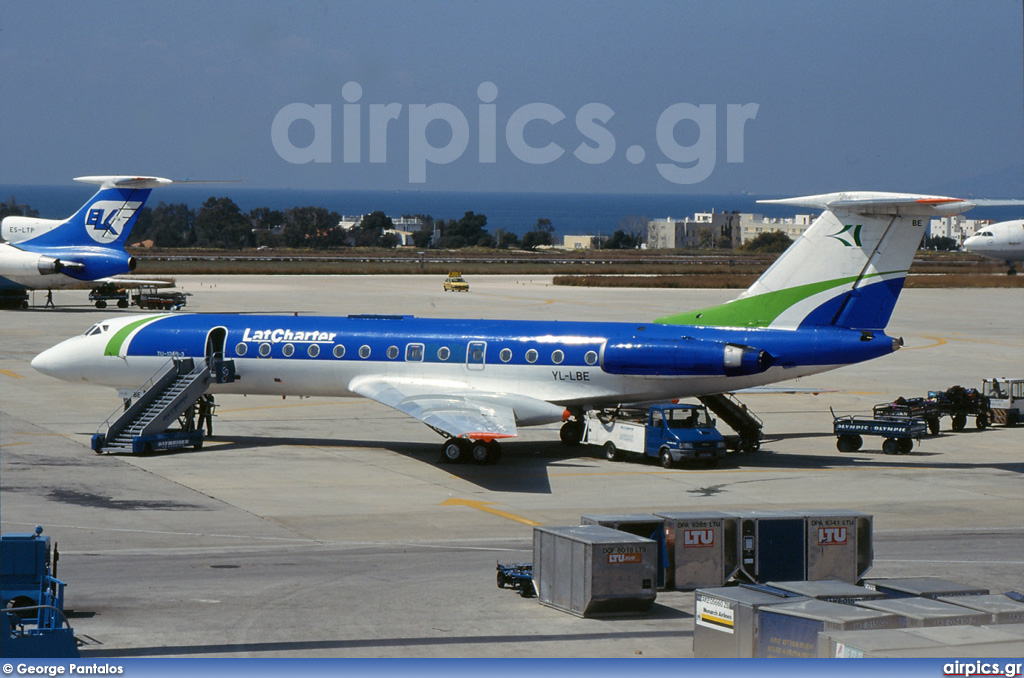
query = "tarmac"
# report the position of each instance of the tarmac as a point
(327, 528)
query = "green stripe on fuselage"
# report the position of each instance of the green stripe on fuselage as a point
(757, 311)
(114, 345)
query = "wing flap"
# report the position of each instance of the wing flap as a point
(453, 415)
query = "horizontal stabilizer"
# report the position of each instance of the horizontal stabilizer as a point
(895, 204)
(124, 181)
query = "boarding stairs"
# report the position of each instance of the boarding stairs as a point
(747, 425)
(157, 405)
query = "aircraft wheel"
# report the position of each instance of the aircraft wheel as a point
(959, 421)
(611, 453)
(666, 458)
(453, 451)
(493, 452)
(480, 452)
(891, 446)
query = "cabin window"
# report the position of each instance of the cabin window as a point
(505, 355)
(339, 351)
(241, 349)
(414, 353)
(392, 352)
(591, 357)
(443, 353)
(313, 350)
(364, 351)
(264, 350)
(532, 355)
(557, 357)
(288, 350)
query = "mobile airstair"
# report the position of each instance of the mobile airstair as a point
(175, 391)
(747, 425)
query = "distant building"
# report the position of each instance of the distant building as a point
(703, 230)
(584, 242)
(753, 225)
(348, 223)
(956, 227)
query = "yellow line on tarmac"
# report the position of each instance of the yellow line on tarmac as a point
(483, 506)
(939, 341)
(11, 374)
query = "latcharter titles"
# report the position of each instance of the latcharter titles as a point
(279, 335)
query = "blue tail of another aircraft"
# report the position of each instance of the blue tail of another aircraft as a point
(106, 220)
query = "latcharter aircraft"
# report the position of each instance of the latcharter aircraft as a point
(1004, 241)
(88, 246)
(822, 305)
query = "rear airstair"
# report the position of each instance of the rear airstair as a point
(747, 425)
(143, 425)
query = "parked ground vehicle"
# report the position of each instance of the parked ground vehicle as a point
(28, 559)
(148, 297)
(670, 433)
(109, 292)
(899, 432)
(912, 408)
(455, 283)
(1006, 399)
(517, 576)
(959, 403)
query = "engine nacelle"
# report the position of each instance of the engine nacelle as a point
(681, 357)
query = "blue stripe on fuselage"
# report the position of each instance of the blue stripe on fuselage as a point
(186, 334)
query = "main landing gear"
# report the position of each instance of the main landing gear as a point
(460, 450)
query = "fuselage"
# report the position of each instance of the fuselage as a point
(1004, 241)
(579, 364)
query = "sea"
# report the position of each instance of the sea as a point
(569, 213)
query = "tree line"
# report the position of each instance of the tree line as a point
(219, 223)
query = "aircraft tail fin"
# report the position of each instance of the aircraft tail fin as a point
(106, 220)
(846, 270)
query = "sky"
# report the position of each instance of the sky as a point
(770, 98)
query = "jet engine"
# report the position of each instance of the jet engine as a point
(681, 357)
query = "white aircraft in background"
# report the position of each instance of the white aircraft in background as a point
(1004, 241)
(823, 304)
(87, 247)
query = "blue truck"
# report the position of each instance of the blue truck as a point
(671, 433)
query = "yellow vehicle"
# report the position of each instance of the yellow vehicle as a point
(455, 283)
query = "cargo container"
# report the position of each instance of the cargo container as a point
(829, 590)
(725, 620)
(923, 612)
(973, 642)
(1003, 609)
(839, 545)
(922, 587)
(790, 630)
(640, 524)
(772, 546)
(701, 548)
(592, 570)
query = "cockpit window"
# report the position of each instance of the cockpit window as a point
(987, 234)
(98, 328)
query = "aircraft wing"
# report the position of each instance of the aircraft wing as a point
(474, 414)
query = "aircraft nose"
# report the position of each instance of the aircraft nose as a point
(53, 362)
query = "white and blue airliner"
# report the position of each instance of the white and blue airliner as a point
(822, 305)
